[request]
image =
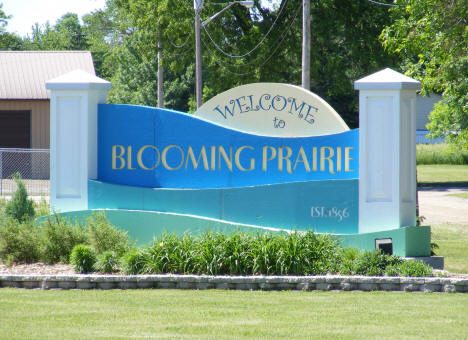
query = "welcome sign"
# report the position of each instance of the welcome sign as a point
(254, 158)
(194, 165)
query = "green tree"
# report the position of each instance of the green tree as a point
(8, 41)
(66, 34)
(431, 37)
(3, 19)
(345, 47)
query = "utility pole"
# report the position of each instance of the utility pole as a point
(198, 5)
(160, 77)
(306, 44)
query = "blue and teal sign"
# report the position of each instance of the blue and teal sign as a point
(161, 160)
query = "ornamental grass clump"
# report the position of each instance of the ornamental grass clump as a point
(216, 253)
(409, 268)
(83, 258)
(107, 262)
(370, 263)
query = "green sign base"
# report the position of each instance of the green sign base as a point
(143, 226)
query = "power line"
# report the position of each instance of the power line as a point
(381, 3)
(256, 46)
(278, 44)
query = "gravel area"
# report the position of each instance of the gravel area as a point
(439, 207)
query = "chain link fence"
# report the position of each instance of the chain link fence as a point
(33, 167)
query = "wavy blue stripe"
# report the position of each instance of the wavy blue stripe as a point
(137, 126)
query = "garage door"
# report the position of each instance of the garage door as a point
(15, 129)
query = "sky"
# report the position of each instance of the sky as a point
(27, 12)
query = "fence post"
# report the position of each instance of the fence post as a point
(387, 151)
(73, 137)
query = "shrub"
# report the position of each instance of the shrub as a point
(42, 208)
(82, 258)
(20, 207)
(133, 262)
(409, 268)
(371, 263)
(103, 236)
(236, 254)
(107, 262)
(59, 237)
(19, 241)
(171, 254)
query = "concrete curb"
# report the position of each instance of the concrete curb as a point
(304, 283)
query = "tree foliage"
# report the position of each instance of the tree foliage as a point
(431, 37)
(261, 44)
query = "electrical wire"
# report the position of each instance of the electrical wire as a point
(381, 3)
(256, 46)
(278, 45)
(179, 46)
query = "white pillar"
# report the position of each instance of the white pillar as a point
(73, 137)
(387, 151)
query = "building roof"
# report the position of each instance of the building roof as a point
(23, 73)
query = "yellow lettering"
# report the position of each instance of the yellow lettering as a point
(338, 159)
(314, 158)
(213, 158)
(237, 159)
(192, 157)
(228, 161)
(164, 156)
(347, 158)
(286, 158)
(129, 158)
(140, 157)
(303, 160)
(119, 156)
(329, 159)
(265, 157)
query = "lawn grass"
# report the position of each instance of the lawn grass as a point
(461, 195)
(440, 154)
(443, 175)
(452, 240)
(217, 314)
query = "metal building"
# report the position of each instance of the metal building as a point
(24, 100)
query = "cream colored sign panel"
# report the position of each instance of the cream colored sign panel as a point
(273, 109)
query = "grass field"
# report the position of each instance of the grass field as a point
(462, 195)
(452, 240)
(440, 154)
(169, 314)
(443, 175)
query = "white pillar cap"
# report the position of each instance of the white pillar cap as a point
(387, 79)
(78, 80)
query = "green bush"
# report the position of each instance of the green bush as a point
(20, 207)
(216, 253)
(59, 237)
(83, 258)
(133, 262)
(19, 241)
(409, 268)
(370, 263)
(103, 236)
(107, 262)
